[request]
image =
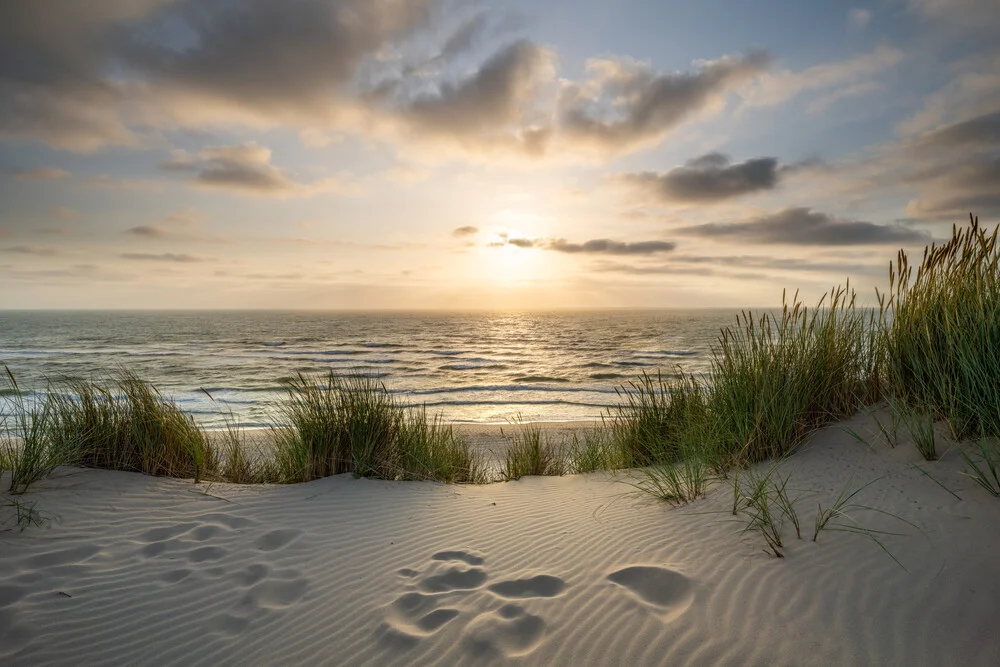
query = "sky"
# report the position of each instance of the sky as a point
(463, 154)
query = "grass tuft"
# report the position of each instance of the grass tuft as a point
(530, 452)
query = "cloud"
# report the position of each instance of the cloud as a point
(625, 104)
(30, 250)
(858, 19)
(975, 132)
(964, 170)
(97, 70)
(42, 174)
(467, 230)
(802, 226)
(958, 15)
(163, 257)
(952, 191)
(183, 225)
(291, 60)
(777, 88)
(244, 168)
(489, 106)
(595, 246)
(465, 37)
(709, 178)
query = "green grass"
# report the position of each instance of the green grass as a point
(353, 424)
(596, 449)
(26, 452)
(942, 334)
(430, 450)
(529, 452)
(126, 424)
(984, 465)
(839, 516)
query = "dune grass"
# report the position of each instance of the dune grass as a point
(126, 424)
(942, 336)
(529, 452)
(336, 424)
(430, 449)
(25, 451)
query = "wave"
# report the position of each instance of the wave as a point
(472, 366)
(273, 343)
(606, 376)
(539, 378)
(511, 403)
(514, 388)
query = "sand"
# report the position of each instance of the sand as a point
(574, 570)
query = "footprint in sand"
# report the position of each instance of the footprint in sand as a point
(508, 632)
(454, 582)
(664, 591)
(265, 592)
(419, 614)
(541, 586)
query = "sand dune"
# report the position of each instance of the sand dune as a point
(551, 571)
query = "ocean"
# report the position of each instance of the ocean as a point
(467, 367)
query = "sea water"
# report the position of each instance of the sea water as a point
(471, 367)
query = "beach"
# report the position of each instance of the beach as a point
(578, 569)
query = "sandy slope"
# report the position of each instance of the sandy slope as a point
(566, 571)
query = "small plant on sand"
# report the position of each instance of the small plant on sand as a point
(23, 514)
(27, 453)
(919, 422)
(761, 498)
(530, 452)
(839, 517)
(596, 450)
(890, 430)
(678, 482)
(986, 470)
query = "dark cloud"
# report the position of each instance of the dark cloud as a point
(595, 246)
(802, 226)
(183, 225)
(85, 75)
(163, 257)
(490, 102)
(975, 132)
(293, 57)
(964, 172)
(626, 104)
(465, 37)
(147, 231)
(260, 57)
(710, 178)
(246, 168)
(467, 230)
